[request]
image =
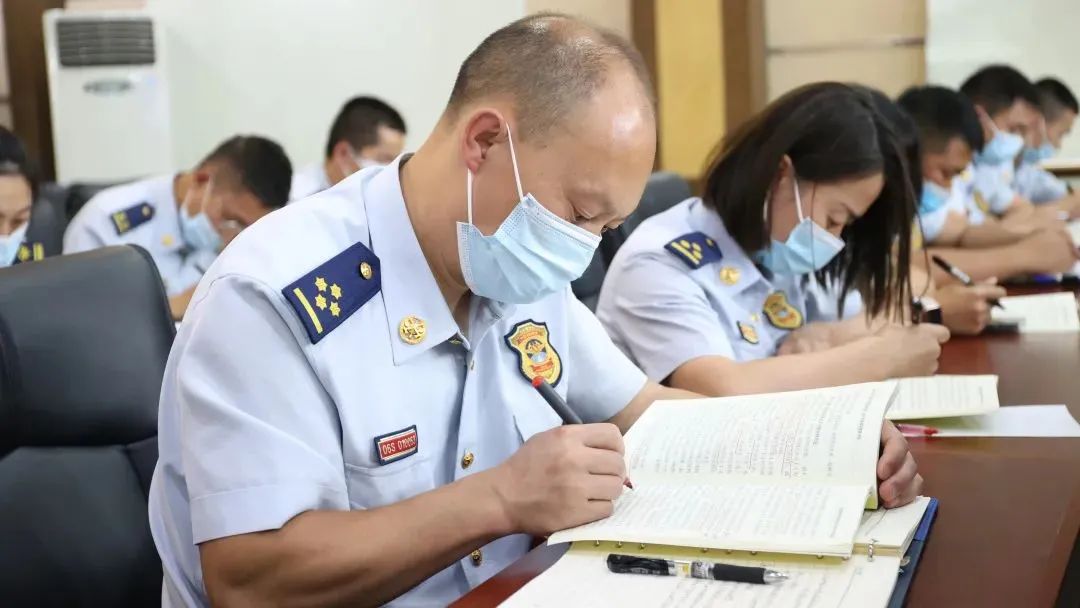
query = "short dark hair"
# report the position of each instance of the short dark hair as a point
(1055, 97)
(941, 114)
(15, 161)
(998, 87)
(547, 63)
(260, 165)
(831, 132)
(358, 123)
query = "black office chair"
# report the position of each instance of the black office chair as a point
(587, 286)
(663, 191)
(48, 219)
(83, 344)
(80, 194)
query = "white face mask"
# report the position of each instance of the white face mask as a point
(198, 231)
(533, 254)
(9, 245)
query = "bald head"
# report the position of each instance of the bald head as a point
(548, 65)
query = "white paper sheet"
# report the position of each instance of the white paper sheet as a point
(1013, 421)
(943, 395)
(581, 579)
(1047, 312)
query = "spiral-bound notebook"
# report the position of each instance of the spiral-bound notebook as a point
(871, 578)
(777, 479)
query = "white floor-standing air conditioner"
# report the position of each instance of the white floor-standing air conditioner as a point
(109, 95)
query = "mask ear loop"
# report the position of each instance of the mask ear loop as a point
(513, 160)
(468, 193)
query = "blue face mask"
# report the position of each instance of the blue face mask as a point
(534, 253)
(198, 231)
(933, 198)
(1001, 148)
(807, 249)
(9, 245)
(1034, 156)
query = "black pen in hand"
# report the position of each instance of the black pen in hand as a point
(562, 408)
(962, 276)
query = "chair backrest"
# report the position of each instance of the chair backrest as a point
(83, 344)
(663, 191)
(48, 219)
(79, 194)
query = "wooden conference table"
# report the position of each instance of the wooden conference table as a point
(1009, 507)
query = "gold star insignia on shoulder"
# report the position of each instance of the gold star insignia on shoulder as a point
(330, 293)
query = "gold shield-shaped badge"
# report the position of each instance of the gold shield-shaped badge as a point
(747, 331)
(536, 356)
(780, 313)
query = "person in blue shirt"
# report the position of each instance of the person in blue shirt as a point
(347, 415)
(19, 242)
(704, 295)
(366, 132)
(984, 247)
(1008, 107)
(1059, 107)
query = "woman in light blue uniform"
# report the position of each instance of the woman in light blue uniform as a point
(704, 295)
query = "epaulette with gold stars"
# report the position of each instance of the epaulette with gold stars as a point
(132, 217)
(695, 249)
(326, 296)
(29, 252)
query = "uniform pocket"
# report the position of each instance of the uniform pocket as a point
(376, 486)
(534, 417)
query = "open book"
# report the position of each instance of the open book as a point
(781, 472)
(581, 578)
(944, 396)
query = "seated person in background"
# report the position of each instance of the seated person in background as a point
(1059, 108)
(347, 417)
(367, 132)
(1007, 104)
(985, 248)
(703, 295)
(18, 191)
(185, 219)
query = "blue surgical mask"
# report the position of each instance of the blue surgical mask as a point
(933, 198)
(807, 249)
(198, 231)
(1034, 156)
(1001, 148)
(533, 254)
(9, 245)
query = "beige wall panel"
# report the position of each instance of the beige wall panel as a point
(612, 14)
(829, 22)
(892, 69)
(690, 75)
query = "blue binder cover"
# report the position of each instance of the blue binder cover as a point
(907, 573)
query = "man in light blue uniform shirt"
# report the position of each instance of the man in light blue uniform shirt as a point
(347, 415)
(1059, 108)
(183, 220)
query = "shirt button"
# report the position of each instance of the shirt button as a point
(477, 557)
(467, 460)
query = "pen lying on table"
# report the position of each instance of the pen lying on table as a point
(630, 564)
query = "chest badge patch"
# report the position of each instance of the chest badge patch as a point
(747, 331)
(780, 313)
(537, 358)
(395, 446)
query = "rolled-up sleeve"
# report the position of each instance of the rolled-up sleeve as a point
(660, 316)
(259, 436)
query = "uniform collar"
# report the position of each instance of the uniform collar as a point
(162, 196)
(708, 221)
(408, 286)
